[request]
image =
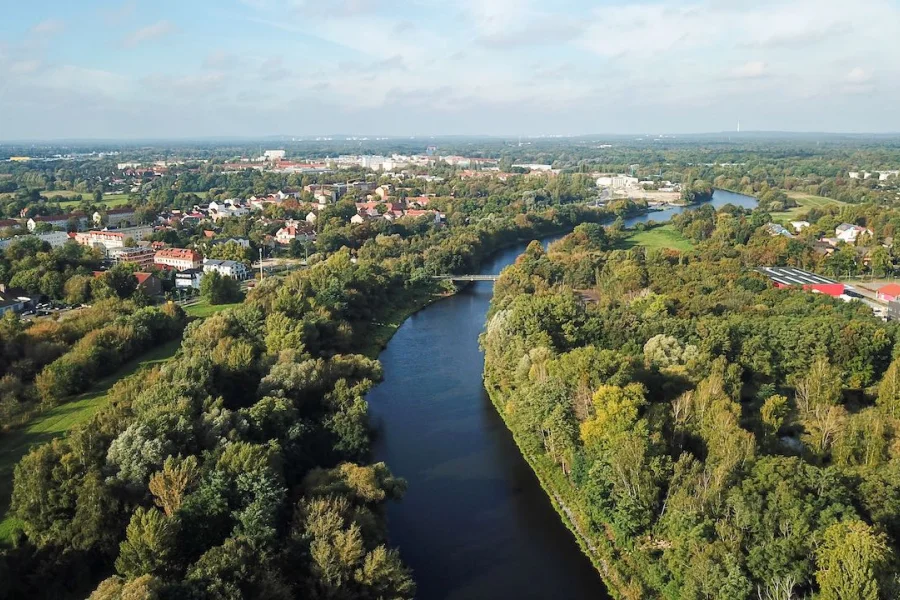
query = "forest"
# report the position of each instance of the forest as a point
(703, 434)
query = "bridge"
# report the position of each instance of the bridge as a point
(467, 277)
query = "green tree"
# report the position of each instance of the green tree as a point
(853, 563)
(218, 289)
(150, 544)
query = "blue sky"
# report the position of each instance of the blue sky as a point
(190, 68)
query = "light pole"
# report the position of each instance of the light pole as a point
(260, 264)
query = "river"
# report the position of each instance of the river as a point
(475, 523)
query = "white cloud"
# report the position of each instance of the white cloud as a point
(186, 87)
(24, 67)
(148, 33)
(220, 59)
(858, 75)
(48, 27)
(751, 70)
(119, 14)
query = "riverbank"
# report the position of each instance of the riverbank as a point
(599, 551)
(376, 338)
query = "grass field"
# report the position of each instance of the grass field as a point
(664, 236)
(64, 197)
(806, 202)
(57, 421)
(111, 200)
(204, 309)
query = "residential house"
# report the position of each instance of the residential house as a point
(888, 293)
(114, 216)
(189, 278)
(149, 284)
(294, 230)
(774, 229)
(358, 219)
(384, 191)
(56, 220)
(227, 268)
(179, 259)
(415, 213)
(226, 209)
(311, 218)
(799, 225)
(847, 232)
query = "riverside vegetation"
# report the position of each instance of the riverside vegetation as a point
(240, 468)
(703, 434)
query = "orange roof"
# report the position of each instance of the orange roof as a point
(891, 289)
(142, 277)
(183, 253)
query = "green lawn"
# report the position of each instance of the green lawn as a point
(60, 419)
(204, 309)
(664, 236)
(110, 200)
(806, 202)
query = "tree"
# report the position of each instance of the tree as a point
(881, 262)
(170, 485)
(121, 280)
(889, 390)
(150, 544)
(218, 289)
(773, 413)
(853, 563)
(78, 289)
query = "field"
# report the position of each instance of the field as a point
(806, 202)
(56, 422)
(664, 236)
(203, 309)
(65, 198)
(111, 200)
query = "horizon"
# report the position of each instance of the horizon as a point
(112, 69)
(361, 137)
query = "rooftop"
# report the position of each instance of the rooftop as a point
(792, 276)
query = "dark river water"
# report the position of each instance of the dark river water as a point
(475, 523)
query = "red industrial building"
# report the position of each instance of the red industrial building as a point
(788, 277)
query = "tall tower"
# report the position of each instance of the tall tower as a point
(739, 127)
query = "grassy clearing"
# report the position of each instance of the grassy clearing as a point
(203, 308)
(57, 421)
(664, 236)
(110, 200)
(805, 202)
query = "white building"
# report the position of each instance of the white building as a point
(54, 238)
(189, 278)
(227, 268)
(534, 167)
(847, 232)
(623, 181)
(114, 216)
(799, 225)
(112, 239)
(273, 155)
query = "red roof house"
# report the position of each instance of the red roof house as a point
(889, 292)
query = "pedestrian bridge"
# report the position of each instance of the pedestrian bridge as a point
(468, 277)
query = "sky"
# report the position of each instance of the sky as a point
(98, 69)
